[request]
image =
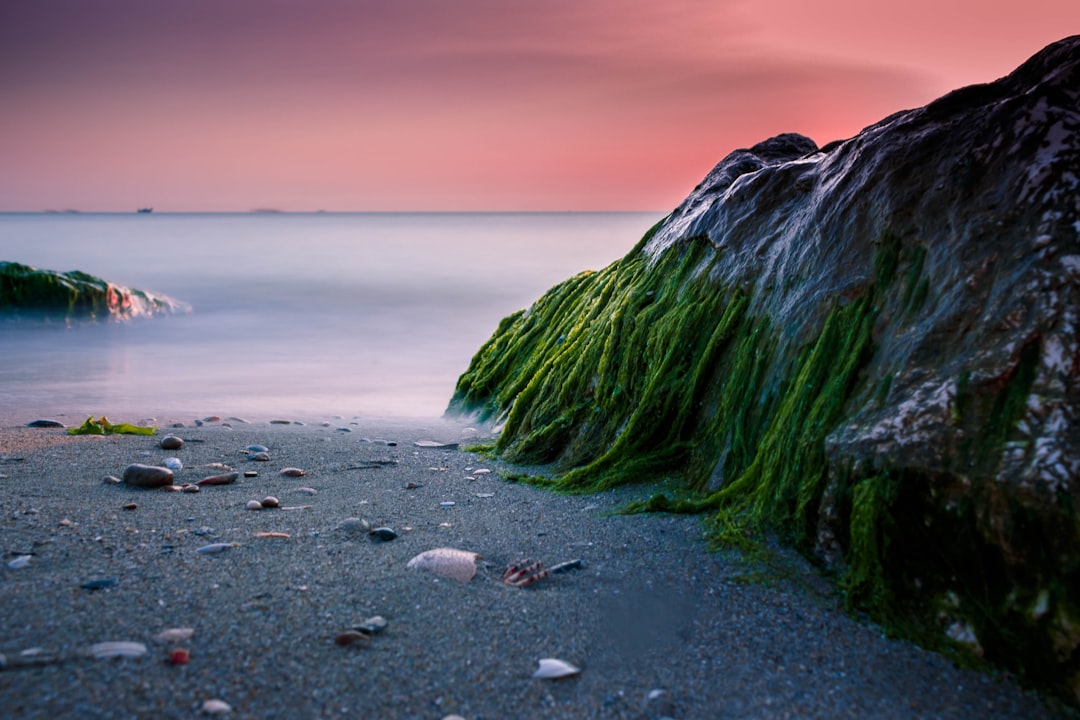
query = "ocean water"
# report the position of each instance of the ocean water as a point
(294, 315)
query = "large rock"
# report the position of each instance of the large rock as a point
(872, 348)
(28, 292)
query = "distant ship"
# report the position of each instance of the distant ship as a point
(145, 210)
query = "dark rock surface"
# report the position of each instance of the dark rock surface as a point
(872, 348)
(32, 292)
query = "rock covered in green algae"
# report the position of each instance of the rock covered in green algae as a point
(29, 291)
(872, 348)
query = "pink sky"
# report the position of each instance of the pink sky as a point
(459, 104)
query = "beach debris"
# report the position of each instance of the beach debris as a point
(251, 473)
(148, 476)
(102, 426)
(133, 506)
(382, 534)
(292, 472)
(174, 464)
(117, 649)
(372, 626)
(259, 456)
(435, 445)
(282, 535)
(555, 669)
(215, 548)
(216, 707)
(174, 635)
(223, 479)
(350, 637)
(170, 442)
(354, 526)
(450, 563)
(189, 488)
(562, 567)
(179, 656)
(99, 583)
(45, 423)
(270, 502)
(20, 562)
(524, 572)
(254, 505)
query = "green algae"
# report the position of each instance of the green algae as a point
(75, 294)
(649, 371)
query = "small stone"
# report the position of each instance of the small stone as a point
(216, 707)
(98, 584)
(45, 423)
(240, 420)
(372, 626)
(354, 526)
(211, 418)
(382, 534)
(130, 506)
(190, 488)
(448, 503)
(270, 502)
(257, 448)
(259, 456)
(251, 473)
(344, 430)
(215, 548)
(174, 464)
(171, 442)
(351, 637)
(179, 656)
(64, 523)
(149, 476)
(292, 472)
(19, 562)
(411, 485)
(222, 479)
(306, 491)
(173, 635)
(254, 505)
(281, 422)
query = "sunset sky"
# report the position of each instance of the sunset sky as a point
(459, 104)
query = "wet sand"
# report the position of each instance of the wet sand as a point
(659, 626)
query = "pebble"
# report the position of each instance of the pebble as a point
(382, 534)
(448, 503)
(344, 430)
(171, 442)
(98, 583)
(222, 479)
(180, 656)
(251, 473)
(254, 505)
(173, 635)
(130, 506)
(351, 637)
(270, 502)
(174, 464)
(372, 626)
(292, 472)
(215, 548)
(281, 422)
(212, 418)
(481, 471)
(306, 490)
(354, 526)
(554, 669)
(240, 420)
(19, 562)
(190, 488)
(412, 485)
(216, 707)
(259, 456)
(117, 649)
(149, 476)
(45, 423)
(257, 448)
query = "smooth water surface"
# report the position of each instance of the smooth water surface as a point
(294, 315)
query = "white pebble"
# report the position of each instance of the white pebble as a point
(216, 707)
(174, 463)
(19, 562)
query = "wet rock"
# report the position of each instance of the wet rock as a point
(352, 637)
(147, 476)
(99, 583)
(382, 534)
(170, 442)
(251, 473)
(45, 423)
(270, 502)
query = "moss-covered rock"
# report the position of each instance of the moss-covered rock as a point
(30, 292)
(872, 349)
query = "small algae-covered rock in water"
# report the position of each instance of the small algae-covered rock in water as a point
(32, 292)
(871, 348)
(148, 476)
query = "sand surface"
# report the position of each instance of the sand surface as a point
(658, 625)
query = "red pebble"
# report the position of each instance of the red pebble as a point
(179, 656)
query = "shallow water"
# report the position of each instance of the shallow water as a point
(300, 315)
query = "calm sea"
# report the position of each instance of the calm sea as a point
(294, 315)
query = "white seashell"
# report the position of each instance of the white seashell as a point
(19, 562)
(553, 669)
(117, 649)
(174, 635)
(450, 563)
(216, 707)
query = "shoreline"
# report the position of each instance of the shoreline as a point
(659, 626)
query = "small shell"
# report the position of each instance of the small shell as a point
(215, 548)
(554, 669)
(111, 480)
(174, 635)
(270, 502)
(451, 563)
(261, 456)
(254, 505)
(117, 649)
(19, 562)
(292, 472)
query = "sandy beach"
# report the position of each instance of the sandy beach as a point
(658, 625)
